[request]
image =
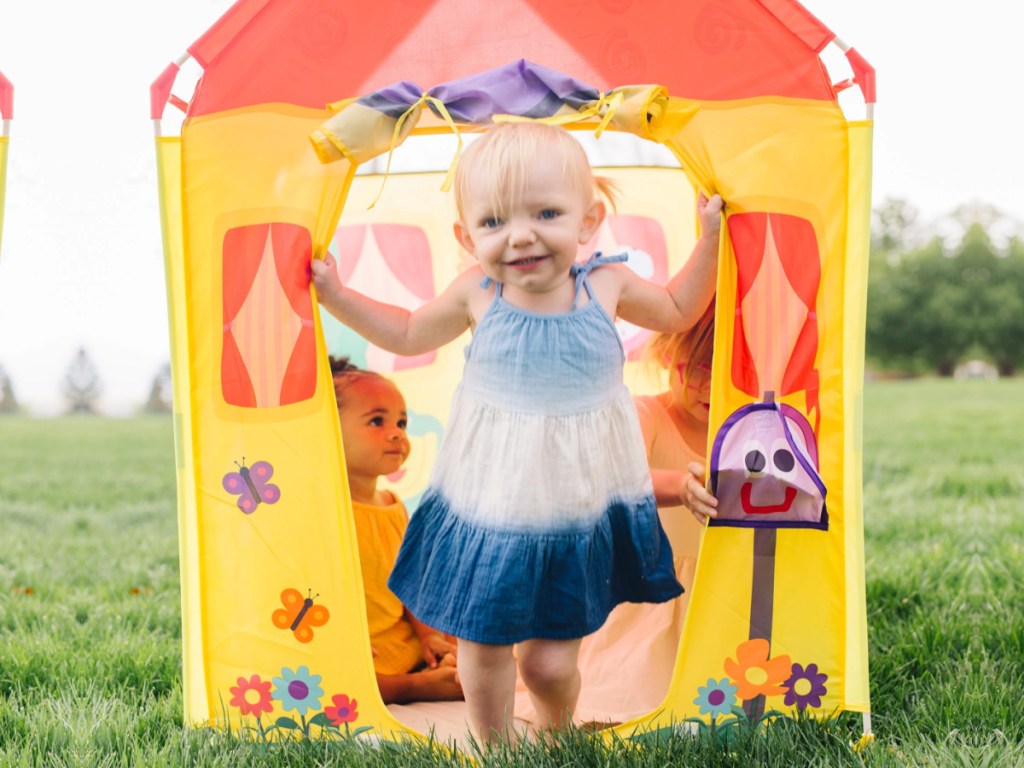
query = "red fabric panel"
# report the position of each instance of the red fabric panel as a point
(235, 383)
(240, 261)
(300, 376)
(747, 233)
(305, 52)
(800, 22)
(801, 261)
(293, 250)
(407, 254)
(348, 241)
(645, 234)
(313, 52)
(243, 251)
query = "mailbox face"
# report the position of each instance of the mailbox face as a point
(764, 470)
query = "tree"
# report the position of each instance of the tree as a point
(894, 228)
(82, 384)
(160, 398)
(1002, 330)
(8, 402)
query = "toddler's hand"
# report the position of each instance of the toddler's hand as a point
(325, 276)
(435, 648)
(709, 212)
(695, 496)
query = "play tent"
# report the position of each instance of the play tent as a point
(6, 115)
(290, 144)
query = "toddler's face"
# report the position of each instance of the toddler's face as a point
(530, 244)
(691, 396)
(373, 423)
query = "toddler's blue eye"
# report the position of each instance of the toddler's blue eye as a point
(548, 213)
(491, 223)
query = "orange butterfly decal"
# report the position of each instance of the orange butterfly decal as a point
(300, 615)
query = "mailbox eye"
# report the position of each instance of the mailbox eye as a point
(755, 461)
(784, 460)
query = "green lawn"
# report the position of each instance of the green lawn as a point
(90, 657)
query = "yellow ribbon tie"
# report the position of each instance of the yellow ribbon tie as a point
(443, 111)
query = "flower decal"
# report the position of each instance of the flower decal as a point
(754, 673)
(343, 711)
(716, 698)
(805, 687)
(298, 690)
(252, 696)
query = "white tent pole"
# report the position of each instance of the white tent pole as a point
(178, 62)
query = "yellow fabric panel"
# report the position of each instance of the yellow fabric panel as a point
(168, 152)
(857, 251)
(245, 566)
(792, 158)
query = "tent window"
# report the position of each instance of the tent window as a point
(269, 348)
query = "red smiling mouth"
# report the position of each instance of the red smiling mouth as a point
(765, 509)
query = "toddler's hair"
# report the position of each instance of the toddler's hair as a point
(345, 373)
(503, 154)
(696, 345)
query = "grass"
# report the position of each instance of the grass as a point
(90, 654)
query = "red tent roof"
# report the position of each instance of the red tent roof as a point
(6, 98)
(313, 52)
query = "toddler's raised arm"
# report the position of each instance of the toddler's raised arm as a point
(388, 326)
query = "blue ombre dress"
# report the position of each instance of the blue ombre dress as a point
(539, 517)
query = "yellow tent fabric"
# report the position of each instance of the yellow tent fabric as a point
(274, 629)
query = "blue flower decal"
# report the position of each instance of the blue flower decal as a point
(298, 690)
(717, 697)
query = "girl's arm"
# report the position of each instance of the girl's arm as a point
(441, 684)
(390, 327)
(679, 304)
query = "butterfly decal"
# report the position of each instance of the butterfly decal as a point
(300, 614)
(251, 486)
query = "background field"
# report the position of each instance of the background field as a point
(90, 658)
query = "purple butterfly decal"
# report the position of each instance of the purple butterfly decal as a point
(250, 483)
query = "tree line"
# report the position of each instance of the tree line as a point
(938, 300)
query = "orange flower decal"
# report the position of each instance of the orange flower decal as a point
(755, 673)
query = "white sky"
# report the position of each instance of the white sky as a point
(82, 263)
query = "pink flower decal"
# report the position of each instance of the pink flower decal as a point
(252, 696)
(343, 711)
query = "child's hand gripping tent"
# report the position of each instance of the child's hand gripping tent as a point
(6, 115)
(274, 627)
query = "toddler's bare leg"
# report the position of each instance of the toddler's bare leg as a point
(488, 675)
(550, 671)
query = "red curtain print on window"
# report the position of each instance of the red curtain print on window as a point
(778, 277)
(392, 263)
(269, 349)
(644, 239)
